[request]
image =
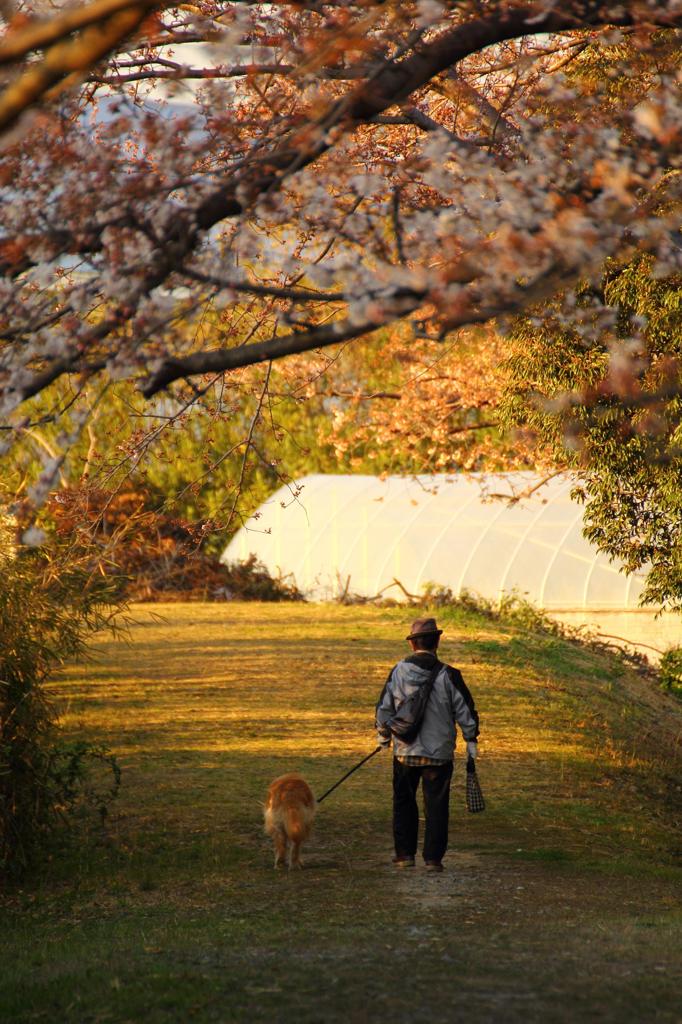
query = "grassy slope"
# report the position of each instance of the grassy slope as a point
(558, 903)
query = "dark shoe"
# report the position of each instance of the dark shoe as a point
(403, 862)
(433, 865)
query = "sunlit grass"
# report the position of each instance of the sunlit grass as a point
(180, 915)
(286, 684)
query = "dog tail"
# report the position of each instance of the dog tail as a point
(299, 822)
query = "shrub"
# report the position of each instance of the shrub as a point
(158, 555)
(670, 670)
(51, 601)
(512, 609)
(250, 581)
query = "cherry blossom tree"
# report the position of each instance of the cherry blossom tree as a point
(192, 192)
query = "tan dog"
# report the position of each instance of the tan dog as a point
(289, 814)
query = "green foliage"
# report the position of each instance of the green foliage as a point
(671, 670)
(612, 412)
(510, 610)
(50, 604)
(600, 68)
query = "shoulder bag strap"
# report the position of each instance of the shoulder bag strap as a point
(431, 680)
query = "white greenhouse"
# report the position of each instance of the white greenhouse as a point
(361, 533)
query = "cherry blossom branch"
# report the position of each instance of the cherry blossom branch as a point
(559, 266)
(465, 428)
(220, 360)
(185, 73)
(394, 82)
(295, 294)
(393, 396)
(69, 57)
(526, 492)
(40, 34)
(412, 115)
(266, 173)
(454, 87)
(530, 57)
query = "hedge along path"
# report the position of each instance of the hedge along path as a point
(558, 903)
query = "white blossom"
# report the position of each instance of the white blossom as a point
(429, 12)
(33, 537)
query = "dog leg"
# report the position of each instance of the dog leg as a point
(295, 855)
(280, 840)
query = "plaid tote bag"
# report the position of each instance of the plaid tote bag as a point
(475, 801)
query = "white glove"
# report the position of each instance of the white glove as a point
(472, 748)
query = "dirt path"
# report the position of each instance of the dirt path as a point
(497, 937)
(543, 943)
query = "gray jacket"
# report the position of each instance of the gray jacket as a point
(450, 702)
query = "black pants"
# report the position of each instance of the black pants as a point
(435, 780)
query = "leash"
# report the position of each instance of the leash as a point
(343, 779)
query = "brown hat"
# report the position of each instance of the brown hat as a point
(423, 627)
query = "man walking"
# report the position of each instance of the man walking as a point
(428, 757)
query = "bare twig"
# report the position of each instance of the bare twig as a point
(295, 294)
(247, 447)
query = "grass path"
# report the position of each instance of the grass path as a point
(560, 903)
